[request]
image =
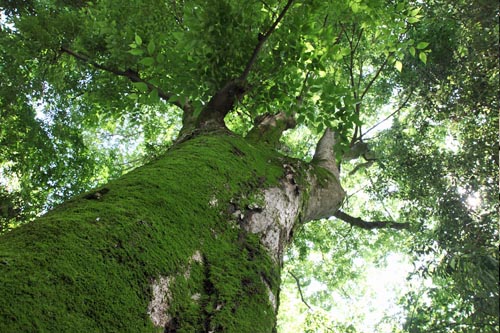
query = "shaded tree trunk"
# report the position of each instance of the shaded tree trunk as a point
(191, 242)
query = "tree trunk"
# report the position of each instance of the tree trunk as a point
(192, 242)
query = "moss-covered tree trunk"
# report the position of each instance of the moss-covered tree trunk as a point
(191, 242)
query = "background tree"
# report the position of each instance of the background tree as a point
(437, 166)
(457, 100)
(93, 90)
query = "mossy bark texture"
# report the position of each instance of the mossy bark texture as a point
(191, 242)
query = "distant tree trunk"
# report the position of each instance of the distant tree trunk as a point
(191, 242)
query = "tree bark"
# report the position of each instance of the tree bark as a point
(192, 242)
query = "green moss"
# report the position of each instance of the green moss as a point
(88, 265)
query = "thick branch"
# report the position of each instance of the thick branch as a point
(262, 40)
(326, 194)
(268, 128)
(129, 74)
(357, 222)
(212, 115)
(324, 155)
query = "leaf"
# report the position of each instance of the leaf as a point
(138, 39)
(178, 35)
(320, 128)
(423, 57)
(399, 65)
(153, 96)
(136, 51)
(141, 86)
(160, 58)
(422, 45)
(412, 51)
(301, 119)
(148, 61)
(413, 19)
(415, 11)
(154, 81)
(132, 96)
(151, 47)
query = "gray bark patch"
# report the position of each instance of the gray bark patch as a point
(276, 219)
(160, 302)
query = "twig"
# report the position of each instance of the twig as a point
(391, 115)
(268, 8)
(377, 194)
(339, 36)
(300, 290)
(262, 40)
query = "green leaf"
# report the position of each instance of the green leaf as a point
(148, 61)
(422, 45)
(399, 65)
(141, 86)
(178, 35)
(301, 118)
(423, 57)
(320, 128)
(415, 11)
(160, 58)
(136, 51)
(153, 96)
(412, 51)
(138, 39)
(151, 47)
(155, 81)
(413, 19)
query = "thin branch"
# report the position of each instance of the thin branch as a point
(268, 8)
(360, 77)
(379, 70)
(391, 115)
(360, 34)
(339, 36)
(262, 40)
(129, 74)
(351, 63)
(356, 129)
(378, 195)
(354, 193)
(357, 222)
(303, 90)
(325, 20)
(300, 290)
